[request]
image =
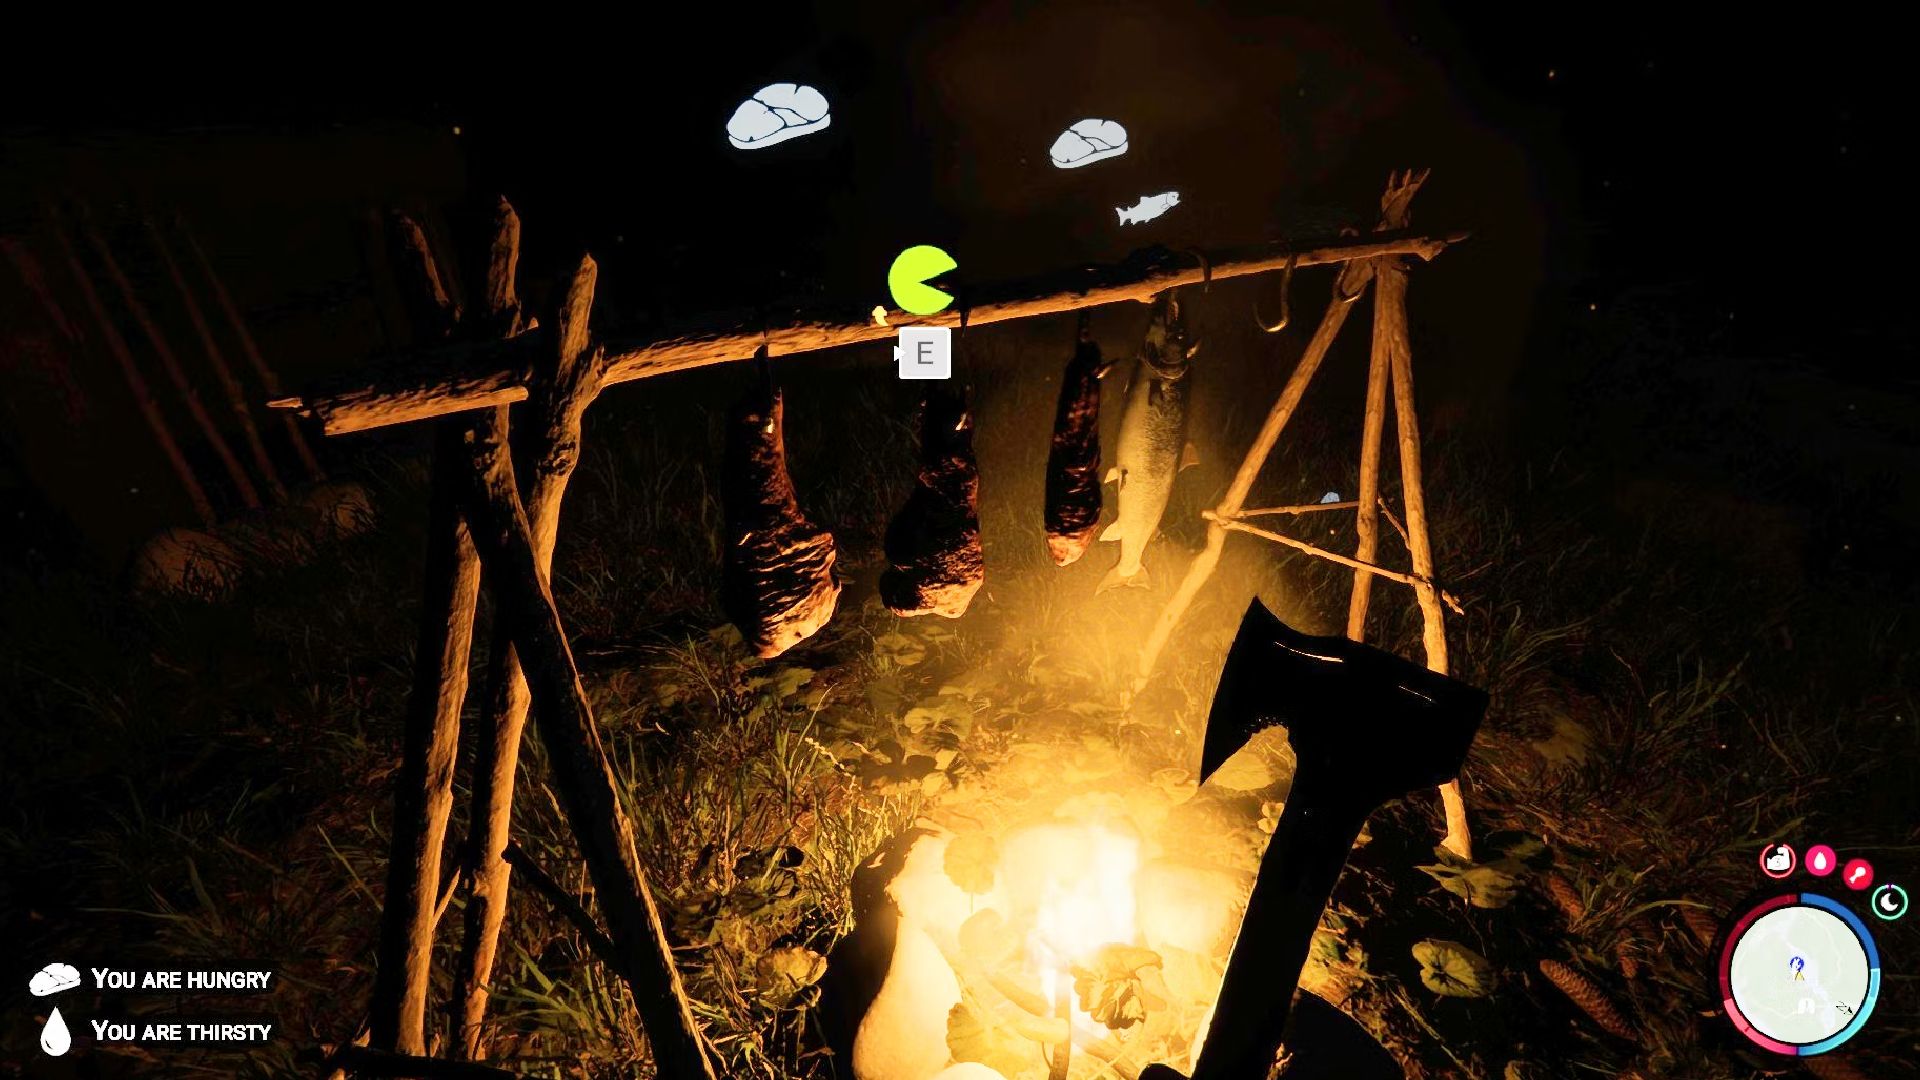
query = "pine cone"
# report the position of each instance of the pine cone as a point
(1629, 963)
(1565, 897)
(1830, 1067)
(1701, 925)
(1592, 1000)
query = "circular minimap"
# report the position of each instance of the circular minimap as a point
(1799, 974)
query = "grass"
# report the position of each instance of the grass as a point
(197, 780)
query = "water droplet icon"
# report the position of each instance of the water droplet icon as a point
(55, 1039)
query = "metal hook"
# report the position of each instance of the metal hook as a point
(1206, 268)
(1286, 298)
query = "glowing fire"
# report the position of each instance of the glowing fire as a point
(1089, 903)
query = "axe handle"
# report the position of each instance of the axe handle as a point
(1309, 848)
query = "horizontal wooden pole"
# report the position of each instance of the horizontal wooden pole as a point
(475, 376)
(1303, 508)
(1402, 577)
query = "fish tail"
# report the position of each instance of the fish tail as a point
(1118, 578)
(1123, 214)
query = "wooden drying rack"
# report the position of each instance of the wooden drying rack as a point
(481, 360)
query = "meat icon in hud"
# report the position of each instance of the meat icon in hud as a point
(52, 979)
(1088, 141)
(776, 113)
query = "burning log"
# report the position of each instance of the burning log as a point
(934, 562)
(1073, 463)
(777, 583)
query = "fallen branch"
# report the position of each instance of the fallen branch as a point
(474, 377)
(563, 902)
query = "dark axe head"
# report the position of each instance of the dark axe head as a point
(1357, 717)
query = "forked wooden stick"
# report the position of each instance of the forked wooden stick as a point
(548, 445)
(583, 777)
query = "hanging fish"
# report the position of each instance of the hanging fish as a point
(934, 563)
(1153, 443)
(1073, 463)
(777, 581)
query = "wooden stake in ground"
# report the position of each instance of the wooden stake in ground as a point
(58, 369)
(423, 791)
(137, 384)
(1390, 307)
(1367, 501)
(582, 776)
(236, 397)
(170, 363)
(548, 446)
(251, 350)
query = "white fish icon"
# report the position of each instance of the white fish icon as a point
(1148, 208)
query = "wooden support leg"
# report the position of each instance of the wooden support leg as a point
(236, 396)
(584, 779)
(549, 446)
(1390, 298)
(170, 364)
(1367, 512)
(1347, 288)
(423, 794)
(251, 350)
(137, 384)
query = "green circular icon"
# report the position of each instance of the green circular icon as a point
(907, 279)
(1889, 902)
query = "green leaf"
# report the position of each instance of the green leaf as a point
(1568, 744)
(1450, 969)
(1110, 986)
(971, 861)
(783, 681)
(1480, 884)
(941, 711)
(897, 648)
(786, 971)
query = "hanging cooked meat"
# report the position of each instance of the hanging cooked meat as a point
(777, 581)
(1073, 463)
(934, 564)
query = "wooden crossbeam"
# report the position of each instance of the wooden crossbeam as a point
(476, 376)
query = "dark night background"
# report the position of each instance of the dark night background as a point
(1689, 280)
(1712, 206)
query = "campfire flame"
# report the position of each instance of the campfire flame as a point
(1089, 905)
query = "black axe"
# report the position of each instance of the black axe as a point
(1366, 727)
